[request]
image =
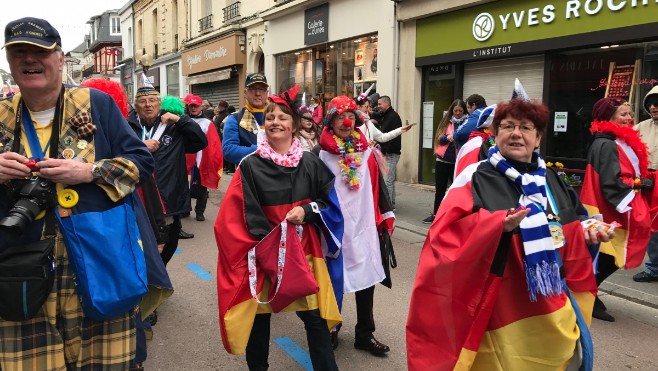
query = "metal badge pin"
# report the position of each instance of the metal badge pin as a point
(68, 153)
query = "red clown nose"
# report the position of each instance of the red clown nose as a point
(347, 123)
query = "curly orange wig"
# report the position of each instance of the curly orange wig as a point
(113, 88)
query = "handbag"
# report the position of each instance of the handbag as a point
(105, 253)
(197, 190)
(27, 273)
(388, 257)
(281, 257)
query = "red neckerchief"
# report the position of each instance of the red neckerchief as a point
(629, 136)
(328, 143)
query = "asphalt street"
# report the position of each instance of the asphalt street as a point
(187, 334)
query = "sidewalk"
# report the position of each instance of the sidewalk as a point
(414, 203)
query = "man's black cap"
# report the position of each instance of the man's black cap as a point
(33, 31)
(254, 78)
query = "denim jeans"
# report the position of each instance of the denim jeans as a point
(392, 162)
(652, 251)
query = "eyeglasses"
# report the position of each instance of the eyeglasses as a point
(523, 128)
(257, 88)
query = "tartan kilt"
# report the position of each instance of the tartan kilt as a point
(60, 337)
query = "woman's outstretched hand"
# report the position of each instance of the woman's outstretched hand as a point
(514, 217)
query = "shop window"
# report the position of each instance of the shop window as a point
(577, 81)
(173, 83)
(340, 68)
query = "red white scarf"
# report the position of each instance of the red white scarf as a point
(290, 159)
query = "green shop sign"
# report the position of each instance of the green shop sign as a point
(515, 27)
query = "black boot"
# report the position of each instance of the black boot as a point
(600, 311)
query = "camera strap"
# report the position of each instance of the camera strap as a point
(23, 118)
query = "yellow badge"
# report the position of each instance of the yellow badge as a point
(83, 144)
(67, 198)
(68, 153)
(557, 234)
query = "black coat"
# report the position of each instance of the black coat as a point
(183, 137)
(390, 121)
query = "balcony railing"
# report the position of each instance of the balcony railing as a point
(232, 11)
(205, 23)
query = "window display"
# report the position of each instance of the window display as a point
(345, 67)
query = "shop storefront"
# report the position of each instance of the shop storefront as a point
(313, 48)
(567, 54)
(214, 70)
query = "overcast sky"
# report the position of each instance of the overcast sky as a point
(69, 17)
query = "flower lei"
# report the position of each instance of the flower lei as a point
(349, 160)
(489, 137)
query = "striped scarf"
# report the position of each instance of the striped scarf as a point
(540, 257)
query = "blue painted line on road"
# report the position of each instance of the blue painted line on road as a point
(200, 272)
(177, 252)
(295, 351)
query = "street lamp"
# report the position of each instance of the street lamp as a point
(146, 61)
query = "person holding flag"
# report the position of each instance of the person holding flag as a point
(505, 278)
(205, 166)
(617, 185)
(278, 188)
(369, 217)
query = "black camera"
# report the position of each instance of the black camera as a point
(30, 197)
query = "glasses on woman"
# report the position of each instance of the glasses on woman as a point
(523, 128)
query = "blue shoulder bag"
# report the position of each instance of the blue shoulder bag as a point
(105, 253)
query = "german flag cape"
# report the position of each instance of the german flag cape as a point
(470, 308)
(616, 159)
(260, 195)
(210, 160)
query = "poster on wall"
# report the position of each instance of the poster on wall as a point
(358, 74)
(560, 122)
(358, 57)
(358, 89)
(370, 63)
(428, 124)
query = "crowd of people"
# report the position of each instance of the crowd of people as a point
(512, 261)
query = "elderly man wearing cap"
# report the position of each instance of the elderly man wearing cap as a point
(168, 136)
(81, 142)
(241, 128)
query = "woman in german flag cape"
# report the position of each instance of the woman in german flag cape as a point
(505, 278)
(617, 184)
(278, 182)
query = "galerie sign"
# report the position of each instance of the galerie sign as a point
(316, 25)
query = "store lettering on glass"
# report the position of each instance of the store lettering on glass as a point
(208, 55)
(315, 27)
(485, 52)
(603, 83)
